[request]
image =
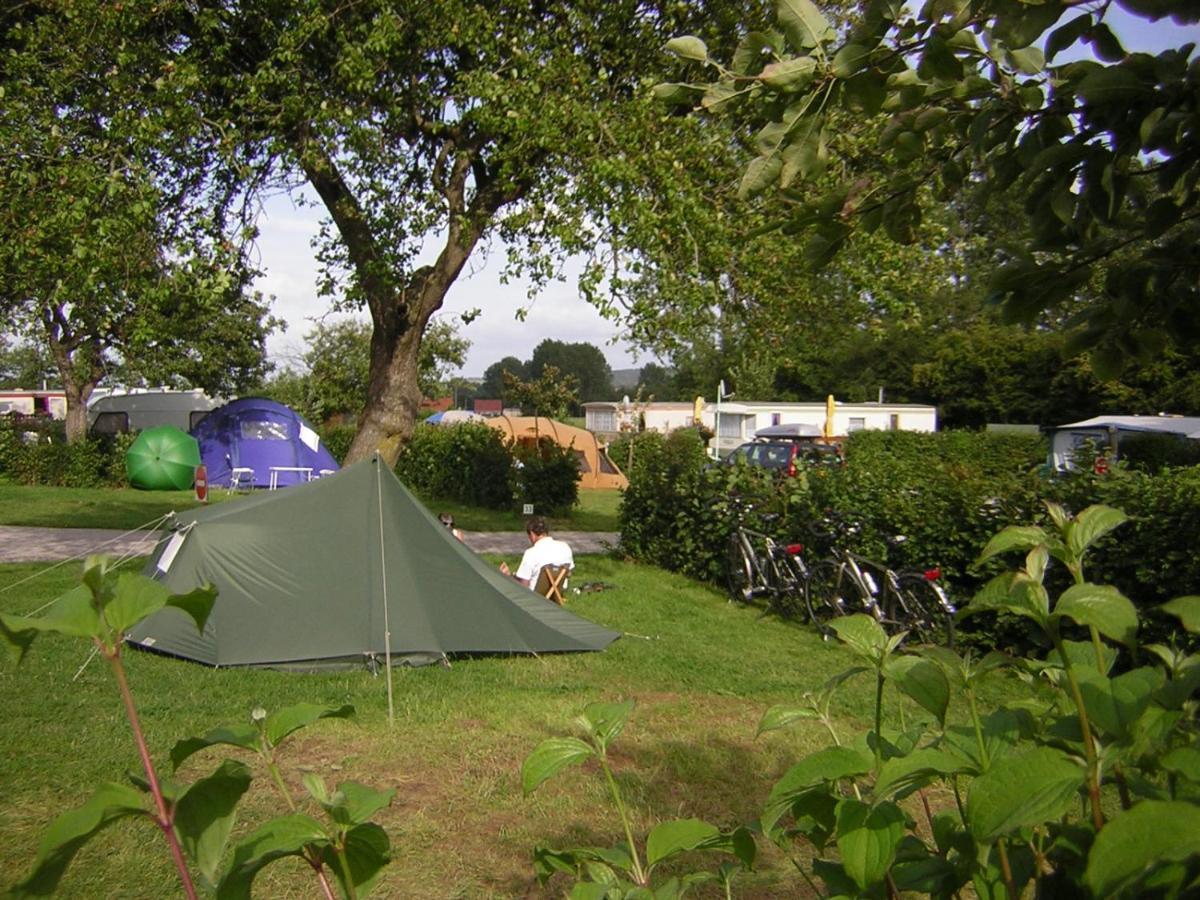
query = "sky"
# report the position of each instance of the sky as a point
(286, 255)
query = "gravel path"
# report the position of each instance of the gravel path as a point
(23, 544)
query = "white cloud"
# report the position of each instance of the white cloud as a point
(290, 274)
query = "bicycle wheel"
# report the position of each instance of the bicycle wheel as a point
(825, 593)
(787, 585)
(930, 614)
(741, 570)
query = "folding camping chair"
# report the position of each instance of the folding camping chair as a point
(550, 582)
(241, 478)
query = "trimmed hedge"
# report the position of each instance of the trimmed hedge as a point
(468, 462)
(947, 493)
(36, 452)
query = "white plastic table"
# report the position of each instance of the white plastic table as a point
(305, 471)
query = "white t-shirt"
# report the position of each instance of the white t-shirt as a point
(546, 552)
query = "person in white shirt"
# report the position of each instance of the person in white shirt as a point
(543, 551)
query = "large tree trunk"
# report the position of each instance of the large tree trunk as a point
(400, 308)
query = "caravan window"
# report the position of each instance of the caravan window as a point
(111, 423)
(263, 430)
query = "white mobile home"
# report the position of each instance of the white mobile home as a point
(736, 422)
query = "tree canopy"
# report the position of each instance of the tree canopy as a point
(426, 130)
(99, 262)
(963, 99)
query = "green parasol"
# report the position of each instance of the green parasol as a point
(163, 459)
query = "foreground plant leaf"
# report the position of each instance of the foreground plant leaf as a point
(276, 839)
(368, 851)
(71, 830)
(205, 815)
(867, 837)
(549, 758)
(668, 838)
(1135, 841)
(283, 722)
(1023, 789)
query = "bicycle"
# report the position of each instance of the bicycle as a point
(776, 573)
(847, 582)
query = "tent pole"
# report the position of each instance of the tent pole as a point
(387, 631)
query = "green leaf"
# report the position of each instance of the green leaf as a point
(354, 803)
(901, 775)
(135, 597)
(1064, 36)
(1112, 84)
(1014, 537)
(72, 829)
(850, 60)
(779, 717)
(923, 681)
(830, 764)
(1105, 43)
(1090, 525)
(1101, 606)
(283, 722)
(244, 736)
(205, 815)
(1028, 60)
(17, 637)
(805, 157)
(675, 92)
(1137, 840)
(867, 837)
(550, 757)
(669, 838)
(762, 172)
(1187, 610)
(367, 850)
(1184, 761)
(1114, 705)
(717, 95)
(72, 614)
(276, 839)
(862, 634)
(197, 604)
(803, 24)
(793, 74)
(1025, 789)
(606, 720)
(688, 47)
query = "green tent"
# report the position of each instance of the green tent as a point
(320, 574)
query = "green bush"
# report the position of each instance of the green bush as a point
(338, 439)
(947, 493)
(548, 476)
(36, 452)
(469, 462)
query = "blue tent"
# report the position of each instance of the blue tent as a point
(270, 440)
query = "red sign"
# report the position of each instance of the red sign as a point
(202, 484)
(1100, 466)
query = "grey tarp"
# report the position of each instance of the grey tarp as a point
(319, 574)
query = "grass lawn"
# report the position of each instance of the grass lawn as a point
(701, 670)
(126, 509)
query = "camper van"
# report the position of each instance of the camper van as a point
(120, 413)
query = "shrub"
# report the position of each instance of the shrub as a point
(548, 476)
(338, 439)
(42, 456)
(468, 462)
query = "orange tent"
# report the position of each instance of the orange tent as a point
(596, 470)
